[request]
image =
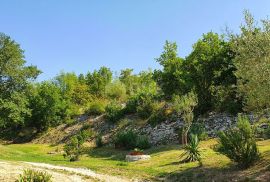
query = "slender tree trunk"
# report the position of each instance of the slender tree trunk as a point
(183, 137)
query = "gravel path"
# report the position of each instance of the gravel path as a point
(9, 172)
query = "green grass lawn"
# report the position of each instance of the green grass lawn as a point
(164, 162)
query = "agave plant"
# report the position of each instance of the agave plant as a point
(191, 150)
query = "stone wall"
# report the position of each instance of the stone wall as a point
(167, 132)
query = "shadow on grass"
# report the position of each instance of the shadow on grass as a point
(202, 173)
(108, 153)
(260, 171)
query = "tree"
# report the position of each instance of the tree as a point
(74, 91)
(116, 90)
(14, 81)
(210, 72)
(171, 78)
(48, 106)
(130, 80)
(252, 48)
(98, 80)
(184, 107)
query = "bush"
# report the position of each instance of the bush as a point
(96, 107)
(99, 142)
(147, 108)
(239, 143)
(191, 150)
(158, 116)
(34, 176)
(73, 149)
(127, 140)
(199, 130)
(143, 143)
(114, 112)
(116, 90)
(143, 104)
(267, 132)
(130, 140)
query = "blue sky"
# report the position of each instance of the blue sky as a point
(82, 35)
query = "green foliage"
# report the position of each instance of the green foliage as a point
(252, 48)
(97, 107)
(99, 142)
(131, 81)
(143, 142)
(126, 140)
(159, 115)
(210, 73)
(14, 81)
(73, 91)
(130, 140)
(116, 90)
(184, 107)
(136, 84)
(143, 103)
(73, 149)
(191, 150)
(172, 78)
(267, 132)
(98, 80)
(239, 143)
(199, 130)
(114, 112)
(48, 106)
(30, 175)
(14, 110)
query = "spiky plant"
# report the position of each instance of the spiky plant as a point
(191, 150)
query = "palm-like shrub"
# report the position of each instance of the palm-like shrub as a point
(239, 143)
(191, 150)
(34, 176)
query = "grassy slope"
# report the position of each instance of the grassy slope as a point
(164, 162)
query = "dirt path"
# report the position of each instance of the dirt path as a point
(10, 171)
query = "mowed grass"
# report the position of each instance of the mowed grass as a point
(164, 162)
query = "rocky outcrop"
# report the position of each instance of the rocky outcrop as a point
(167, 132)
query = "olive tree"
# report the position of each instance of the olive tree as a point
(184, 106)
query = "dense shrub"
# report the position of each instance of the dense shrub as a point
(199, 130)
(131, 140)
(99, 142)
(127, 140)
(73, 149)
(239, 143)
(143, 103)
(48, 106)
(114, 112)
(34, 176)
(147, 108)
(116, 90)
(143, 142)
(96, 107)
(157, 117)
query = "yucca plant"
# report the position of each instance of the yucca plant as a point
(191, 150)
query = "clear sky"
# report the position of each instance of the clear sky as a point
(82, 35)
